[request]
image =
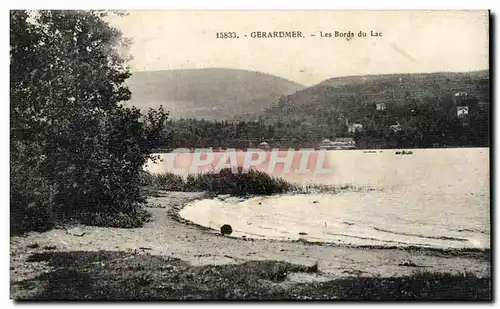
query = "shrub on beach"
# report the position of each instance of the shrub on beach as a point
(132, 219)
(242, 183)
(163, 181)
(252, 182)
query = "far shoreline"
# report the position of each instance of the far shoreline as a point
(216, 150)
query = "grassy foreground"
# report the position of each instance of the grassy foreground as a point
(107, 275)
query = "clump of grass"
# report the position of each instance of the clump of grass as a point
(252, 182)
(332, 189)
(242, 183)
(163, 181)
(133, 219)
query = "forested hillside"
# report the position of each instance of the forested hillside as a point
(423, 107)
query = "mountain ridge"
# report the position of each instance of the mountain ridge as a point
(210, 93)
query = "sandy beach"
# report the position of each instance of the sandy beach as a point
(168, 235)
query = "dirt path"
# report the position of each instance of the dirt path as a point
(167, 236)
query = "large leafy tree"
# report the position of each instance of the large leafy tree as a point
(74, 148)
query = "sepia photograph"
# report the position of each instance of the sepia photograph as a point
(250, 155)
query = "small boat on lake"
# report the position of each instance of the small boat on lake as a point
(404, 152)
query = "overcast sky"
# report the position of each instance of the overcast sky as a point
(412, 41)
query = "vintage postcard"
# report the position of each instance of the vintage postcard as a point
(250, 155)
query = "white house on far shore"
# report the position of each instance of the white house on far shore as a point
(381, 106)
(462, 111)
(355, 127)
(264, 145)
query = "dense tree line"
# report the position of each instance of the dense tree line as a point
(431, 122)
(425, 123)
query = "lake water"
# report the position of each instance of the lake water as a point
(435, 197)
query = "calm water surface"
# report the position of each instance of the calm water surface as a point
(435, 197)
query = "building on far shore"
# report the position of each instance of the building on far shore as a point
(264, 146)
(462, 111)
(325, 144)
(338, 143)
(344, 143)
(381, 106)
(355, 127)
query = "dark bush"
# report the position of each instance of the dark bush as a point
(32, 197)
(164, 181)
(132, 219)
(252, 182)
(242, 183)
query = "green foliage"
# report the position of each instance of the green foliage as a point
(199, 133)
(422, 103)
(252, 182)
(74, 148)
(130, 219)
(163, 181)
(32, 199)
